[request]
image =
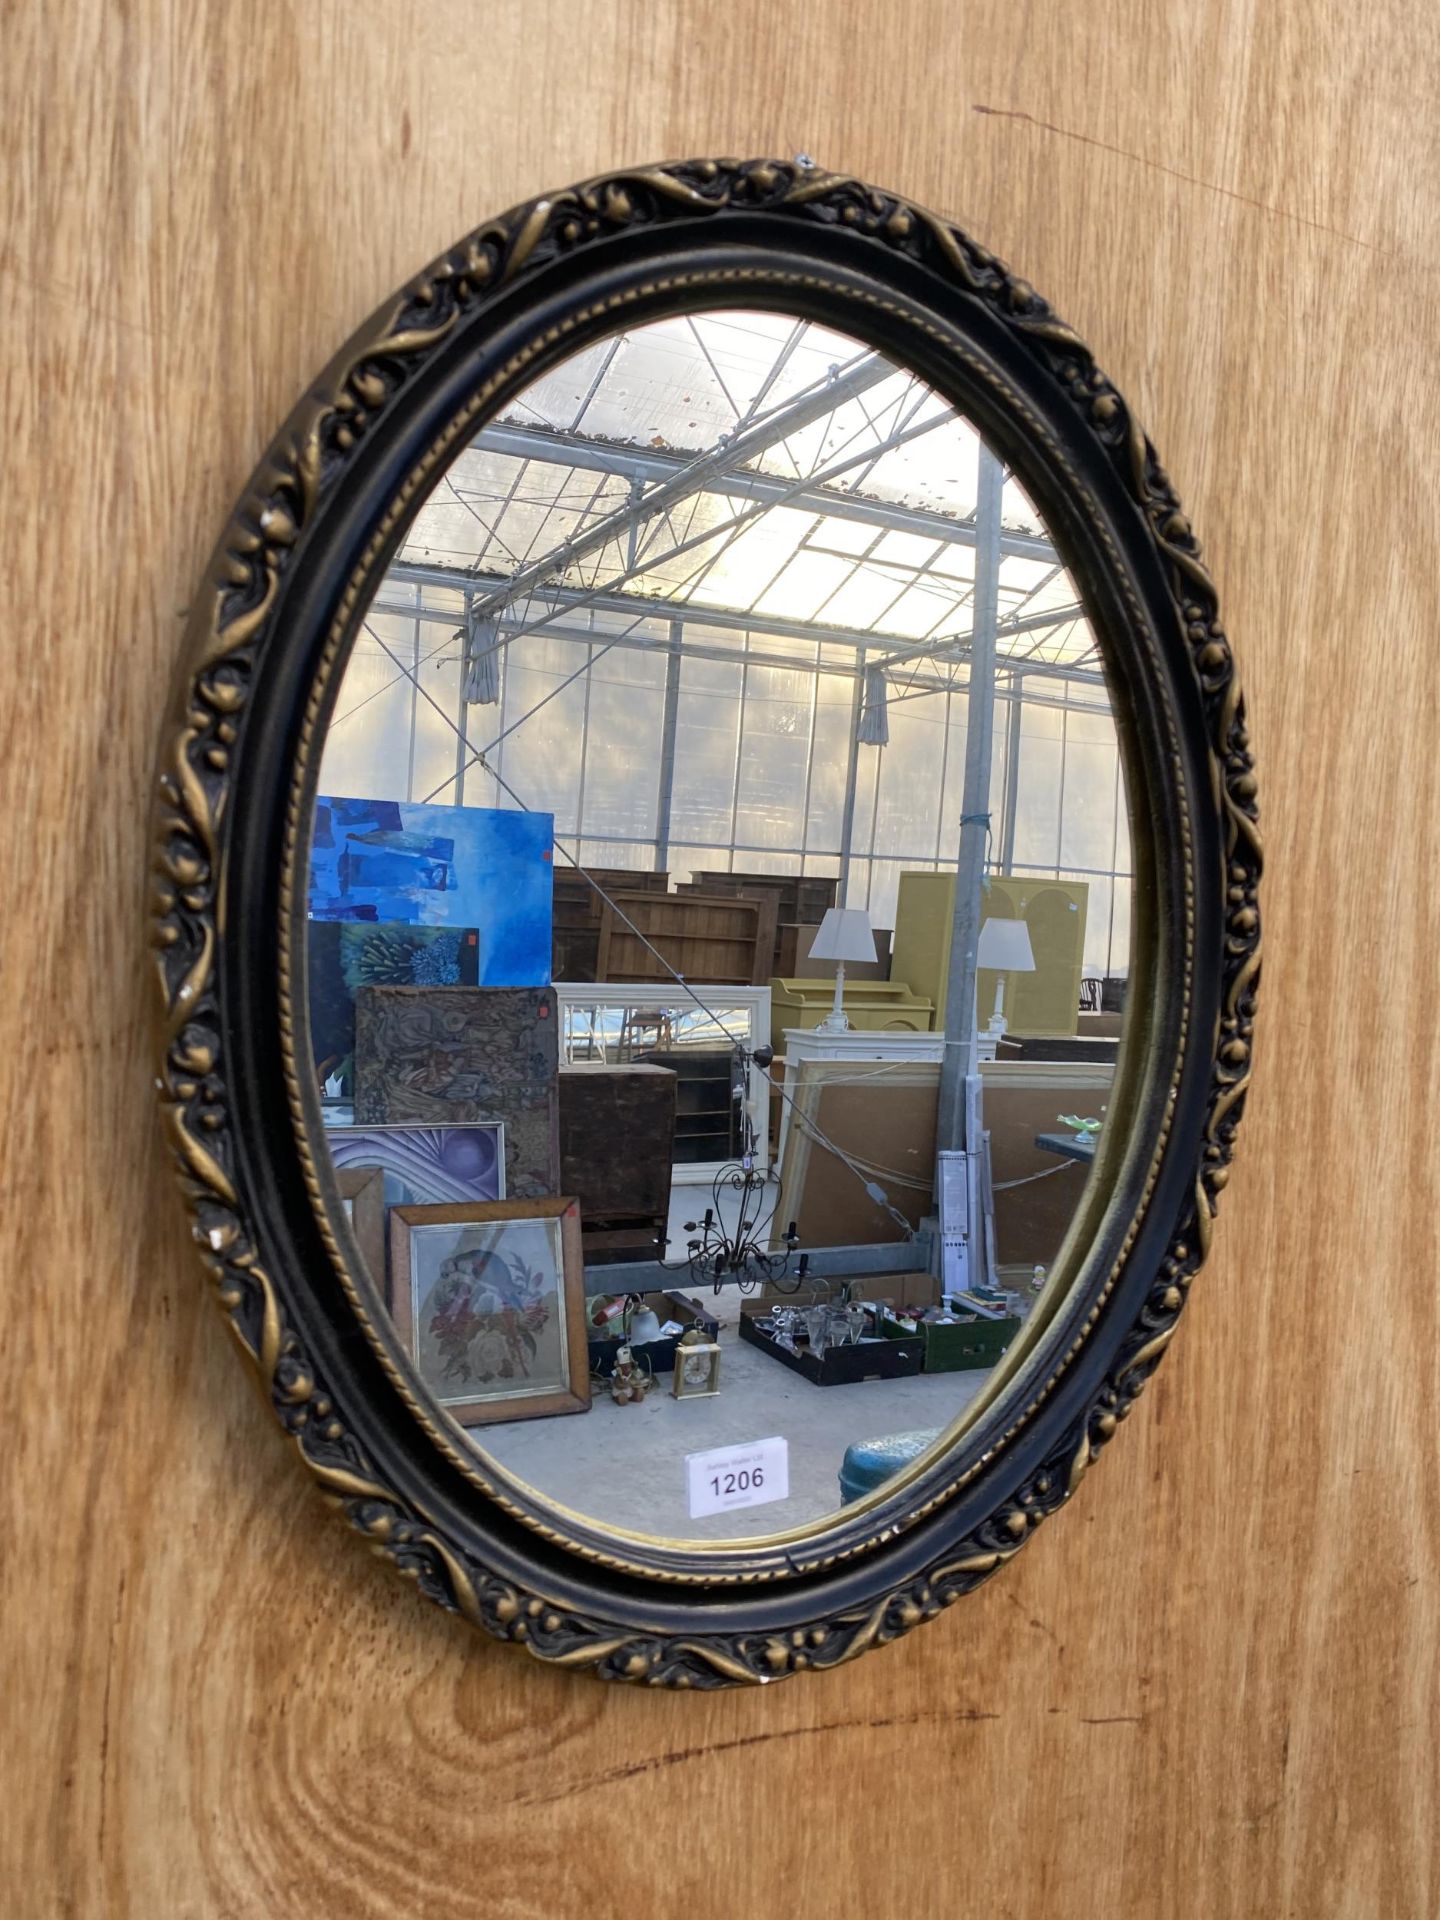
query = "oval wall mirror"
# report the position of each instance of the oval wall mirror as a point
(706, 907)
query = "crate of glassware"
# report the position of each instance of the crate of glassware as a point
(834, 1344)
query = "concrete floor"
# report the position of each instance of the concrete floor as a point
(625, 1466)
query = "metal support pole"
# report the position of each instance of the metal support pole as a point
(1012, 777)
(852, 776)
(739, 750)
(414, 678)
(958, 1102)
(632, 540)
(666, 792)
(462, 729)
(584, 755)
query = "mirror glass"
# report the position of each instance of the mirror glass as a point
(719, 925)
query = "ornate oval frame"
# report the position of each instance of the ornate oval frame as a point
(323, 513)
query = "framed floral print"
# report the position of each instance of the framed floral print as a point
(489, 1304)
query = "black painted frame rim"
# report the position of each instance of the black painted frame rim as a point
(280, 602)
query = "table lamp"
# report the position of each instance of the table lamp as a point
(844, 935)
(1004, 948)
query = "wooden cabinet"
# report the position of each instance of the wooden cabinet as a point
(577, 911)
(722, 939)
(617, 1129)
(871, 1006)
(798, 897)
(792, 955)
(1045, 1002)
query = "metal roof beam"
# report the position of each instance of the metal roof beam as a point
(689, 476)
(635, 607)
(653, 466)
(638, 643)
(918, 686)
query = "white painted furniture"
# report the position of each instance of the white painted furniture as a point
(812, 1043)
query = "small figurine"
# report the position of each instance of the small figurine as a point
(629, 1382)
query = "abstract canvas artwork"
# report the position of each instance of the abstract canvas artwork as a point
(425, 1166)
(437, 1057)
(483, 868)
(489, 1306)
(344, 955)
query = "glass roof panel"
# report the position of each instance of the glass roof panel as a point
(805, 586)
(1016, 509)
(866, 602)
(571, 458)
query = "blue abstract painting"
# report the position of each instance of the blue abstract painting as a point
(345, 955)
(483, 867)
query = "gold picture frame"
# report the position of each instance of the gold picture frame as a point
(362, 1196)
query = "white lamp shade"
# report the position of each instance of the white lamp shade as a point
(844, 935)
(1005, 947)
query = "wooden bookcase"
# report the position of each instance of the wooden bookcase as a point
(575, 937)
(722, 939)
(707, 1117)
(798, 897)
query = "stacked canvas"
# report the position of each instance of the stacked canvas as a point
(437, 1055)
(345, 955)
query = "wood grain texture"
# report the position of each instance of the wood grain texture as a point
(1206, 1690)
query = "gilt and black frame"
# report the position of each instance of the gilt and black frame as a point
(270, 633)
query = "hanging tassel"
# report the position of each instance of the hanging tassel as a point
(874, 727)
(482, 662)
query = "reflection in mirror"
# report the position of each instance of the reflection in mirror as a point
(719, 915)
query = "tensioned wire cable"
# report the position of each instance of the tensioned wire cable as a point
(899, 1174)
(1004, 1186)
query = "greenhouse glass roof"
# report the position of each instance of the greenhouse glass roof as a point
(743, 464)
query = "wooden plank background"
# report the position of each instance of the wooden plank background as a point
(1208, 1689)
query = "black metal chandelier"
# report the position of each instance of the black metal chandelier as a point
(736, 1255)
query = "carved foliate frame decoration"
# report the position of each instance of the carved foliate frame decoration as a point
(269, 634)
